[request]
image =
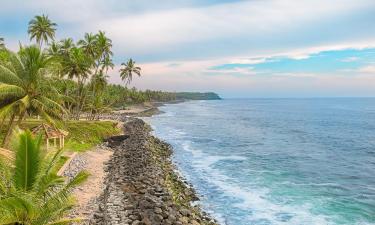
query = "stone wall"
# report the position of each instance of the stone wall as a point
(141, 185)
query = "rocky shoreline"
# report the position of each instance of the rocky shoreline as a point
(141, 185)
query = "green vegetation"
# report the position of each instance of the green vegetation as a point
(65, 79)
(57, 82)
(197, 96)
(31, 193)
(83, 135)
(24, 88)
(60, 163)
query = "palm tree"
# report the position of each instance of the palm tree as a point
(98, 82)
(66, 45)
(89, 45)
(77, 65)
(25, 88)
(126, 73)
(104, 46)
(42, 29)
(106, 64)
(31, 193)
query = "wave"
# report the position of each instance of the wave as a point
(254, 200)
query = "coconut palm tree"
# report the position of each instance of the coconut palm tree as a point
(104, 46)
(66, 45)
(25, 88)
(42, 29)
(31, 193)
(99, 82)
(77, 66)
(126, 73)
(89, 45)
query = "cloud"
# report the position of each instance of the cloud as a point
(177, 41)
(370, 69)
(350, 59)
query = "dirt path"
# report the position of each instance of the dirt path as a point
(92, 188)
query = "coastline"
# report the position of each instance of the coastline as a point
(141, 184)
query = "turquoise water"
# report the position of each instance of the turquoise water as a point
(277, 161)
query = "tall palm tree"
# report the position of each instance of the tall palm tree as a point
(89, 45)
(42, 29)
(31, 193)
(104, 46)
(126, 73)
(77, 66)
(25, 88)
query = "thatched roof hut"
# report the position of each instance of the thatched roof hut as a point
(50, 132)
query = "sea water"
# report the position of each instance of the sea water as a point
(277, 161)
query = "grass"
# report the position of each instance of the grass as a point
(60, 163)
(83, 135)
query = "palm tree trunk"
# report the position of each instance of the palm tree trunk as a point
(20, 119)
(79, 96)
(9, 131)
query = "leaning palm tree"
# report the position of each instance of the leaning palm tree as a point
(25, 88)
(42, 29)
(126, 73)
(31, 192)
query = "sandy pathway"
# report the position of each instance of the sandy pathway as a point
(92, 188)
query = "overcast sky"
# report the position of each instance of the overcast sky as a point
(256, 48)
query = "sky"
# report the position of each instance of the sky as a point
(254, 48)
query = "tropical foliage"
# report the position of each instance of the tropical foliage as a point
(64, 79)
(25, 89)
(31, 193)
(53, 80)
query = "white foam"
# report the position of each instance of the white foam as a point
(254, 200)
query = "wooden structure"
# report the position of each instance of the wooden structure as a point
(49, 133)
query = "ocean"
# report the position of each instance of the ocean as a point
(276, 161)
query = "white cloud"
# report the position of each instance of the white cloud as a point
(350, 59)
(193, 39)
(370, 69)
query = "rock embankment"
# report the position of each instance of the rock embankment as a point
(141, 187)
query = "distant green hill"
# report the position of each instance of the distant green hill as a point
(197, 96)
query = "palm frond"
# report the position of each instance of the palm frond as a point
(28, 160)
(7, 76)
(10, 92)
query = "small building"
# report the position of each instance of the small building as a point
(51, 133)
